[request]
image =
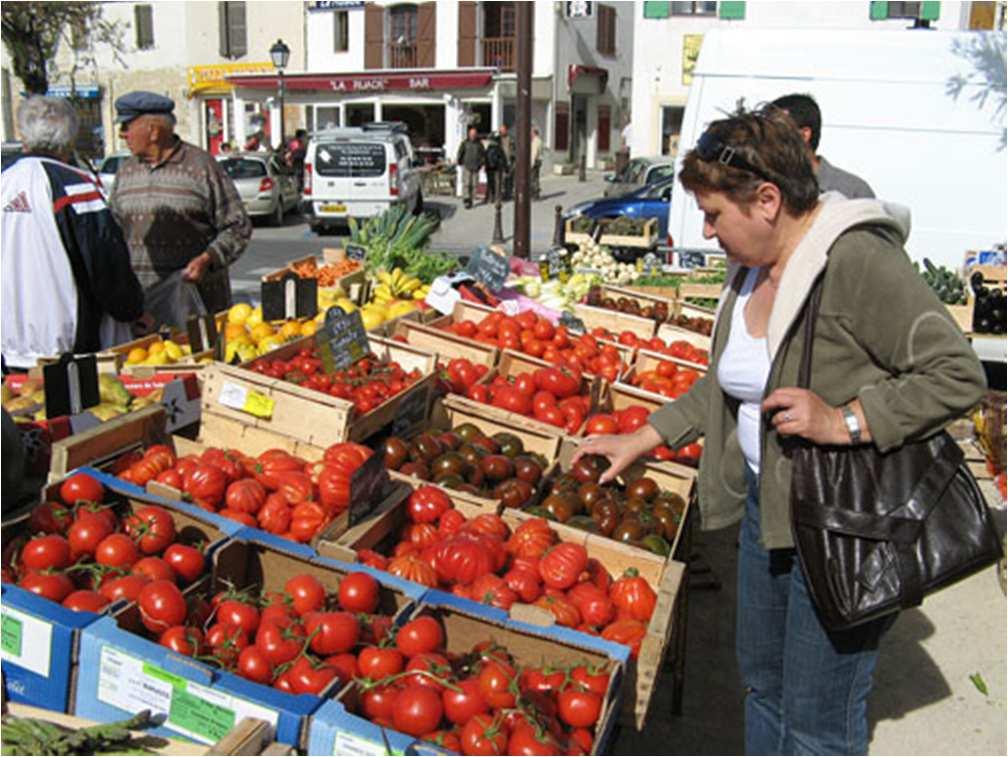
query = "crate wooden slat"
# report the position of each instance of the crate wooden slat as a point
(691, 289)
(454, 410)
(642, 298)
(446, 345)
(647, 239)
(614, 321)
(669, 333)
(109, 440)
(576, 237)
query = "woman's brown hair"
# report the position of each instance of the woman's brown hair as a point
(768, 146)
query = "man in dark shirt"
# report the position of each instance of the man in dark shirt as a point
(804, 111)
(470, 157)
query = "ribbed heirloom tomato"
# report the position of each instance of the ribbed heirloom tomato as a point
(427, 503)
(561, 565)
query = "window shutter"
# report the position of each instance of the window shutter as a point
(222, 29)
(374, 35)
(426, 34)
(879, 10)
(604, 128)
(143, 19)
(467, 33)
(236, 29)
(656, 8)
(561, 127)
(732, 11)
(930, 11)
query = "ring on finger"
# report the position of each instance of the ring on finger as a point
(787, 417)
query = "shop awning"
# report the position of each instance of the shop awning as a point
(371, 81)
(212, 79)
(575, 72)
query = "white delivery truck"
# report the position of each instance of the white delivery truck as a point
(889, 115)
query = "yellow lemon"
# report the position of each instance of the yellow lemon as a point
(347, 305)
(255, 318)
(289, 330)
(247, 352)
(261, 331)
(154, 358)
(186, 349)
(136, 355)
(234, 331)
(156, 348)
(269, 344)
(172, 350)
(308, 328)
(239, 313)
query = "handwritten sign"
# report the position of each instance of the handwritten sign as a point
(355, 252)
(692, 259)
(289, 297)
(412, 412)
(71, 385)
(558, 262)
(489, 268)
(367, 488)
(342, 340)
(572, 323)
(649, 265)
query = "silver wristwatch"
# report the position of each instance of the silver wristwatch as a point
(851, 421)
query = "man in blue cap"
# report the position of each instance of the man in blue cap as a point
(182, 217)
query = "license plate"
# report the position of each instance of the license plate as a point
(333, 207)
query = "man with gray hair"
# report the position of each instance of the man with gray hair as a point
(66, 278)
(181, 213)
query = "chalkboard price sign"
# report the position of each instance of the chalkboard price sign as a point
(572, 323)
(692, 259)
(367, 488)
(412, 411)
(557, 262)
(289, 297)
(342, 340)
(355, 252)
(489, 268)
(71, 385)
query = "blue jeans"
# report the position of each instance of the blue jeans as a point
(806, 689)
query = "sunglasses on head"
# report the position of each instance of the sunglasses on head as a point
(709, 148)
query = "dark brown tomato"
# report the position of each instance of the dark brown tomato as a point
(497, 467)
(510, 445)
(450, 440)
(564, 483)
(396, 453)
(486, 444)
(562, 507)
(527, 469)
(450, 464)
(589, 468)
(467, 431)
(629, 530)
(645, 488)
(415, 468)
(472, 455)
(589, 493)
(427, 447)
(513, 493)
(635, 505)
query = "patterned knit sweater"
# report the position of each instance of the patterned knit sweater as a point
(173, 211)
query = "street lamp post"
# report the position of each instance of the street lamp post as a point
(280, 54)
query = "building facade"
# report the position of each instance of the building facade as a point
(661, 82)
(184, 50)
(443, 66)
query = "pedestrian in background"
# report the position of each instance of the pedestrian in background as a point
(297, 148)
(495, 165)
(181, 214)
(67, 282)
(507, 170)
(471, 157)
(804, 111)
(535, 158)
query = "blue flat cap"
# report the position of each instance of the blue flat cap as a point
(139, 103)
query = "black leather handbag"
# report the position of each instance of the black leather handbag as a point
(875, 533)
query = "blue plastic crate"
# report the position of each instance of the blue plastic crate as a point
(336, 730)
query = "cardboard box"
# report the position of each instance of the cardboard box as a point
(122, 671)
(336, 729)
(40, 637)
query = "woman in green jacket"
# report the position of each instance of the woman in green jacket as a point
(889, 365)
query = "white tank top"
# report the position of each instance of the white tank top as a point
(743, 370)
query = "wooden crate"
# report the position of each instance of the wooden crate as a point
(188, 363)
(693, 311)
(648, 361)
(445, 345)
(691, 289)
(106, 442)
(647, 240)
(316, 417)
(669, 333)
(576, 237)
(963, 315)
(614, 321)
(463, 311)
(642, 298)
(666, 293)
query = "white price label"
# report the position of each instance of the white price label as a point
(233, 395)
(346, 743)
(202, 713)
(26, 641)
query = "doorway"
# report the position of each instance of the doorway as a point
(426, 124)
(358, 114)
(579, 126)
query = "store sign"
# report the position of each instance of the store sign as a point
(335, 5)
(213, 77)
(362, 83)
(690, 52)
(90, 92)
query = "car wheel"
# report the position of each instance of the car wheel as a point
(418, 207)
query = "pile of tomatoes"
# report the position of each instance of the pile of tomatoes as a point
(481, 559)
(679, 348)
(538, 337)
(550, 395)
(86, 554)
(667, 379)
(367, 383)
(461, 374)
(276, 491)
(481, 702)
(631, 418)
(299, 640)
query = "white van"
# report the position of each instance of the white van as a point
(358, 172)
(889, 116)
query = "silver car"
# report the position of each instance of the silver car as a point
(107, 170)
(265, 185)
(636, 174)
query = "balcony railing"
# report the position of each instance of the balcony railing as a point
(402, 55)
(498, 52)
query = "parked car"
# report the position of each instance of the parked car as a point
(108, 168)
(637, 173)
(266, 186)
(649, 201)
(359, 172)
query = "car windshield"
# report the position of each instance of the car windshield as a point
(657, 189)
(243, 168)
(346, 159)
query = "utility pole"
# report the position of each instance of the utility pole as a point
(523, 131)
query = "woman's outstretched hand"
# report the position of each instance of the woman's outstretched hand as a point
(620, 450)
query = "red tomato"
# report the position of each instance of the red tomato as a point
(275, 514)
(417, 710)
(51, 551)
(591, 678)
(524, 582)
(526, 740)
(377, 704)
(602, 423)
(565, 612)
(53, 586)
(81, 487)
(493, 590)
(86, 533)
(49, 518)
(427, 503)
(152, 527)
(187, 562)
(358, 592)
(460, 706)
(235, 613)
(161, 606)
(531, 539)
(484, 735)
(206, 483)
(153, 569)
(379, 662)
(579, 709)
(423, 634)
(226, 643)
(431, 662)
(626, 631)
(310, 678)
(345, 666)
(544, 679)
(562, 564)
(331, 632)
(170, 477)
(448, 741)
(254, 665)
(123, 587)
(306, 592)
(495, 681)
(245, 496)
(117, 551)
(633, 596)
(185, 640)
(280, 642)
(85, 600)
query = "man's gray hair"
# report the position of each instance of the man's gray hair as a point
(48, 124)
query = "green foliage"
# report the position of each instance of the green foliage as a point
(398, 239)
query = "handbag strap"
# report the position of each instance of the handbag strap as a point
(811, 314)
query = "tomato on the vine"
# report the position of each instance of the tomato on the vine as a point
(81, 487)
(423, 634)
(161, 606)
(359, 592)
